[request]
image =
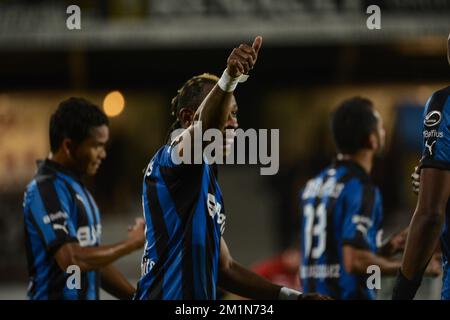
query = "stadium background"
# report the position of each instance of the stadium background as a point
(315, 53)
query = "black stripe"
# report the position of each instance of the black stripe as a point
(82, 221)
(368, 200)
(187, 261)
(438, 100)
(161, 238)
(56, 277)
(184, 184)
(367, 205)
(311, 284)
(83, 292)
(437, 103)
(210, 243)
(91, 206)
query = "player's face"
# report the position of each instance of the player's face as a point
(381, 132)
(90, 153)
(232, 123)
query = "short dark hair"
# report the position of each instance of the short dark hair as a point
(191, 95)
(73, 119)
(352, 123)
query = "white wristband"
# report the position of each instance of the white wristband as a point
(229, 84)
(288, 294)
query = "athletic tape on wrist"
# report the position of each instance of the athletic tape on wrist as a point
(229, 84)
(288, 294)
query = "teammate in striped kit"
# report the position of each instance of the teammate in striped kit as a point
(186, 256)
(341, 211)
(62, 220)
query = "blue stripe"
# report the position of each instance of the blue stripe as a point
(198, 241)
(172, 288)
(150, 246)
(41, 284)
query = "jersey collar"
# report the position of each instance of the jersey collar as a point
(48, 166)
(354, 167)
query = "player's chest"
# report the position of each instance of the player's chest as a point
(86, 218)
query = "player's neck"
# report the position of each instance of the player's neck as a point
(363, 158)
(62, 160)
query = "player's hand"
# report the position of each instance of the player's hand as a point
(136, 233)
(313, 296)
(243, 58)
(415, 180)
(434, 267)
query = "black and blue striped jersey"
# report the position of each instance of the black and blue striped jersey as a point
(436, 154)
(338, 207)
(185, 219)
(58, 209)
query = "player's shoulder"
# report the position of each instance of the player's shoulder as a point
(38, 180)
(442, 92)
(439, 100)
(355, 179)
(162, 157)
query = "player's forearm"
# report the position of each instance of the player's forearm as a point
(215, 109)
(92, 258)
(386, 251)
(115, 283)
(360, 260)
(422, 240)
(241, 281)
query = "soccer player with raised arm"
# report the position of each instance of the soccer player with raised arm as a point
(431, 217)
(62, 220)
(341, 211)
(186, 256)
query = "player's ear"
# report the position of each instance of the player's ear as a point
(67, 146)
(373, 141)
(186, 116)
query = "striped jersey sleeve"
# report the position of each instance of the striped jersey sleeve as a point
(46, 208)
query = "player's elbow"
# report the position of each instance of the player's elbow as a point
(430, 217)
(354, 260)
(68, 256)
(226, 265)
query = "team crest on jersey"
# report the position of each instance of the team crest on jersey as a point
(432, 118)
(214, 209)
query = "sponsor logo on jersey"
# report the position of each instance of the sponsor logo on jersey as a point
(52, 217)
(89, 235)
(433, 134)
(214, 209)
